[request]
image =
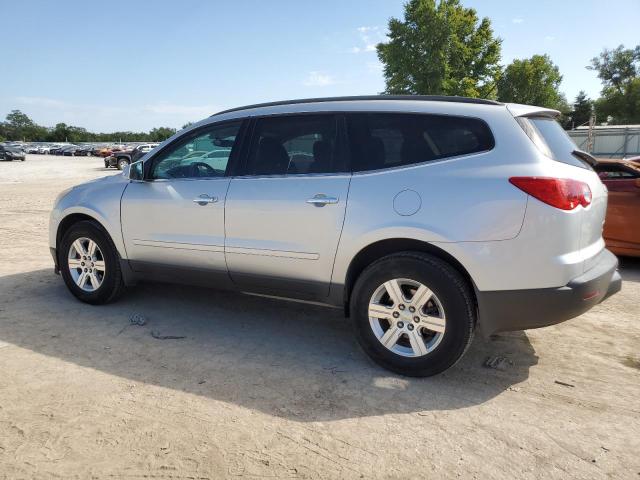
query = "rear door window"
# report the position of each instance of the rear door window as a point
(295, 145)
(387, 140)
(550, 138)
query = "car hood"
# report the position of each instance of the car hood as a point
(118, 178)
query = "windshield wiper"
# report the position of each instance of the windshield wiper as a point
(586, 157)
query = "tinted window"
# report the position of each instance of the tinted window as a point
(384, 140)
(294, 145)
(201, 154)
(551, 139)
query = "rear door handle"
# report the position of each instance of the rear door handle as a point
(320, 200)
(205, 199)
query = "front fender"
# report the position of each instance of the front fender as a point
(99, 201)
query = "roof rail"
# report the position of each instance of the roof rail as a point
(425, 98)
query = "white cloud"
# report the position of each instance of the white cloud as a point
(319, 79)
(517, 20)
(369, 38)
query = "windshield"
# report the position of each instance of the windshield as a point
(551, 139)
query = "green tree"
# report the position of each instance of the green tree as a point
(622, 107)
(440, 48)
(59, 133)
(19, 126)
(619, 70)
(582, 110)
(533, 81)
(161, 134)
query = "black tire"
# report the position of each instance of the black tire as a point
(446, 283)
(112, 285)
(122, 162)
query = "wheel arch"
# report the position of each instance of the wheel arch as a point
(67, 222)
(382, 248)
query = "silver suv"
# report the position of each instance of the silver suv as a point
(423, 217)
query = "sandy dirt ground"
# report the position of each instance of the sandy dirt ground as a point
(261, 388)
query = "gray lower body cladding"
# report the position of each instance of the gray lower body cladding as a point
(508, 310)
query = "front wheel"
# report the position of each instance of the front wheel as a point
(413, 313)
(89, 264)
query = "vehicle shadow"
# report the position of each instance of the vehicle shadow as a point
(285, 359)
(629, 269)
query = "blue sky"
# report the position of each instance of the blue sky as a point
(127, 65)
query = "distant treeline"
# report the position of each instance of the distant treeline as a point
(19, 127)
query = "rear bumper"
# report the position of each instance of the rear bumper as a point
(507, 310)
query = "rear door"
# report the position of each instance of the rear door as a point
(284, 213)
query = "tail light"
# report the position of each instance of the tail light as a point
(563, 193)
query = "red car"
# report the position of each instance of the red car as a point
(622, 224)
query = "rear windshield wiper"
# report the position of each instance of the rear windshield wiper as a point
(586, 157)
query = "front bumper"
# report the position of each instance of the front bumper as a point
(507, 310)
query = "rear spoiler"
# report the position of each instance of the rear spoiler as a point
(585, 157)
(519, 110)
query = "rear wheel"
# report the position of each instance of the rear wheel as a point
(413, 313)
(123, 162)
(89, 264)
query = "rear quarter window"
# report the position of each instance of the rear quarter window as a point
(387, 140)
(551, 139)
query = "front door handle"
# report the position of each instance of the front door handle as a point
(320, 200)
(205, 199)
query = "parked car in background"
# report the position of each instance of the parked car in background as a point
(635, 160)
(104, 152)
(622, 224)
(125, 157)
(11, 153)
(461, 214)
(83, 151)
(69, 151)
(57, 149)
(44, 149)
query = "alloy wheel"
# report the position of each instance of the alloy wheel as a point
(407, 317)
(86, 264)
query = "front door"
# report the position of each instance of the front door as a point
(284, 214)
(174, 220)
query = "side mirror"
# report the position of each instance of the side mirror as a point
(136, 172)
